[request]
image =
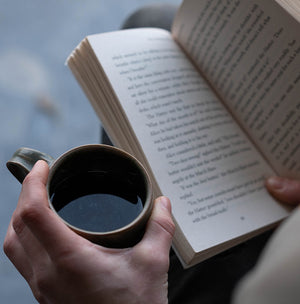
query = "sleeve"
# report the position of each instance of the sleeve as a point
(276, 277)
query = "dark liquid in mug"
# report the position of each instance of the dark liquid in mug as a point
(96, 202)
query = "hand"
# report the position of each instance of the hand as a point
(62, 267)
(285, 190)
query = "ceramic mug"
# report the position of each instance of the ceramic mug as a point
(101, 192)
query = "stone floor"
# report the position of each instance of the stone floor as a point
(41, 105)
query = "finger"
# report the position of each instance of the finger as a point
(15, 252)
(285, 190)
(37, 180)
(35, 253)
(14, 244)
(160, 230)
(33, 209)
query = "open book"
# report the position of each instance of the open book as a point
(210, 109)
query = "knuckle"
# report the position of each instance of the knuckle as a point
(167, 225)
(151, 258)
(39, 296)
(42, 280)
(37, 288)
(17, 224)
(41, 285)
(8, 247)
(29, 213)
(159, 262)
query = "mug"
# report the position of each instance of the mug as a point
(101, 192)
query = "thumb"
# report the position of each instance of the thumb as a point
(34, 184)
(284, 189)
(160, 228)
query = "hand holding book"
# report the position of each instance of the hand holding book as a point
(210, 109)
(285, 190)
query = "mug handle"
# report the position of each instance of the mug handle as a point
(23, 161)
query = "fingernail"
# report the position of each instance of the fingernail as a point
(275, 182)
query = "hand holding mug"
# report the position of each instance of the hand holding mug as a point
(62, 267)
(101, 192)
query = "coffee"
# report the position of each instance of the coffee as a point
(97, 201)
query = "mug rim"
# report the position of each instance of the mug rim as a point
(147, 206)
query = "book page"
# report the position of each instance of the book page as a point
(250, 52)
(198, 154)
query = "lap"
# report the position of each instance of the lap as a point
(213, 281)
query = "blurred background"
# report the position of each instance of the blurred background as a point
(41, 105)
